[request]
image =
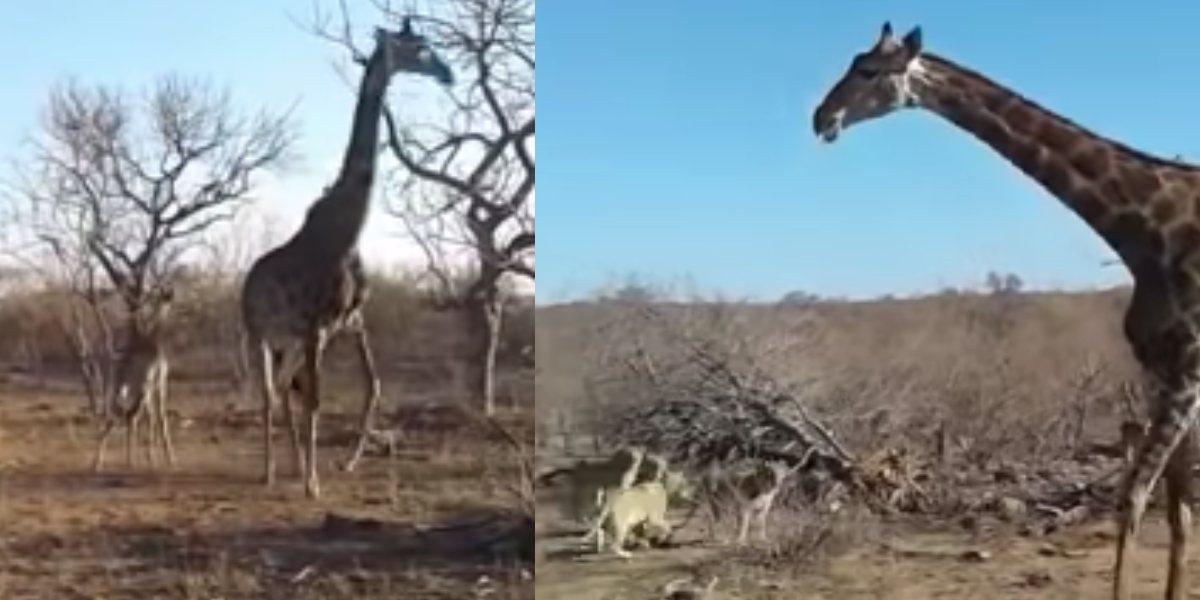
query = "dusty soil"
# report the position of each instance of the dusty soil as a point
(898, 563)
(431, 521)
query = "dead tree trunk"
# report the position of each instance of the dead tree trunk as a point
(485, 317)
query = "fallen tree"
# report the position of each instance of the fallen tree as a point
(692, 389)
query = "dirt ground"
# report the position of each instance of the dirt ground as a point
(432, 521)
(898, 563)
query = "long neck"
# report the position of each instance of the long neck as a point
(334, 222)
(141, 339)
(1128, 197)
(358, 167)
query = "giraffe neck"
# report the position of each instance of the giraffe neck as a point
(334, 222)
(358, 166)
(141, 332)
(1130, 198)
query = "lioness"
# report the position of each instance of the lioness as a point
(644, 505)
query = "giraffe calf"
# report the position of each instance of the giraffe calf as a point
(141, 393)
(140, 389)
(751, 488)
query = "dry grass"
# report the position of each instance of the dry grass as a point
(1015, 376)
(860, 560)
(962, 383)
(431, 521)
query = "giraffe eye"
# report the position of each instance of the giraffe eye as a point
(868, 72)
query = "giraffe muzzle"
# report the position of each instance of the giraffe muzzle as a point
(827, 126)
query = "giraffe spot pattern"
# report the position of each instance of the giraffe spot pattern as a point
(1019, 118)
(1091, 162)
(996, 100)
(1057, 176)
(1184, 239)
(1139, 183)
(991, 130)
(1089, 206)
(1162, 211)
(1027, 155)
(1115, 193)
(1056, 137)
(1130, 233)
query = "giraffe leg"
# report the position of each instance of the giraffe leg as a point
(131, 427)
(762, 523)
(149, 411)
(711, 515)
(371, 402)
(262, 364)
(1179, 512)
(312, 487)
(110, 424)
(163, 421)
(1176, 415)
(743, 525)
(286, 395)
(151, 432)
(289, 388)
(312, 400)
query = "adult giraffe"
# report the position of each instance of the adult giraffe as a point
(297, 295)
(1146, 208)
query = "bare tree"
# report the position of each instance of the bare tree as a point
(466, 183)
(120, 190)
(481, 160)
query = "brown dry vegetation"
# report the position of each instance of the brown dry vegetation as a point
(1001, 373)
(436, 519)
(992, 395)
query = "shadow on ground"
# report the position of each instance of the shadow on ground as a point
(354, 555)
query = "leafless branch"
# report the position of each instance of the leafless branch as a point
(127, 186)
(115, 193)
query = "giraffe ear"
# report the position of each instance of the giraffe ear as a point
(380, 35)
(912, 42)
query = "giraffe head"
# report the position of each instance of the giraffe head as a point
(405, 51)
(876, 83)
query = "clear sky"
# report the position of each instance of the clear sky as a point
(249, 46)
(676, 143)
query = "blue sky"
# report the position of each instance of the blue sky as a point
(251, 47)
(676, 143)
